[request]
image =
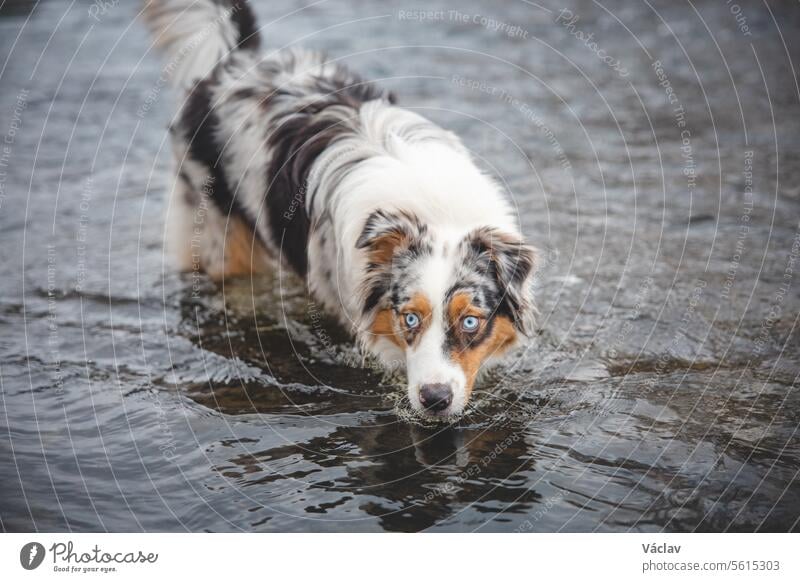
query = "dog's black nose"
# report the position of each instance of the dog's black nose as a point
(435, 397)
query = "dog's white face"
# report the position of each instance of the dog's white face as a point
(443, 304)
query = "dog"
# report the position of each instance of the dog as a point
(291, 156)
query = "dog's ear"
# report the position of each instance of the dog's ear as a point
(513, 263)
(385, 232)
(384, 235)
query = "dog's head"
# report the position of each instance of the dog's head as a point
(443, 303)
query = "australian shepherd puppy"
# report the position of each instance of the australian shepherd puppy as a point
(386, 216)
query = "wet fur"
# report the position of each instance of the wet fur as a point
(293, 156)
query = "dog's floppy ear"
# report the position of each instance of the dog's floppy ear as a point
(384, 232)
(513, 263)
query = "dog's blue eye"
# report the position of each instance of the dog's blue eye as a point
(412, 320)
(470, 323)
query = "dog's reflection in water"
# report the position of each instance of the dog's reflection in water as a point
(409, 477)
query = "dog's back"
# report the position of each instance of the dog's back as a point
(248, 130)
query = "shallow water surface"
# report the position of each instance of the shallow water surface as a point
(661, 392)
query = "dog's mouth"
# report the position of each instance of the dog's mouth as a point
(441, 414)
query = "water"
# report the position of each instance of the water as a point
(661, 392)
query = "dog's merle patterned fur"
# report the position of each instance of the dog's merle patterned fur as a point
(320, 167)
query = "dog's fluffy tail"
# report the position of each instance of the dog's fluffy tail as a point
(195, 35)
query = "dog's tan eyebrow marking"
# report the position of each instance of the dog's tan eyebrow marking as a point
(389, 325)
(419, 304)
(460, 306)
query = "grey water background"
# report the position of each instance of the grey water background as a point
(661, 392)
